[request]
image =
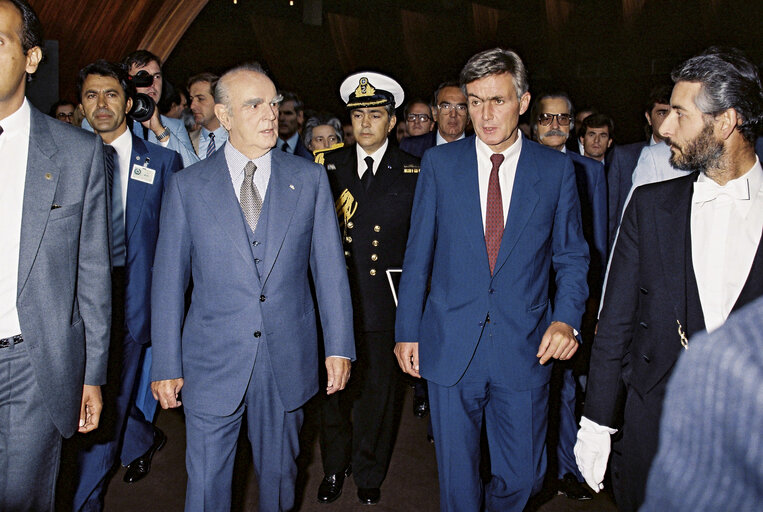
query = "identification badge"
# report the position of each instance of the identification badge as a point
(144, 174)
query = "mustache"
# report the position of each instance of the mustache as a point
(555, 133)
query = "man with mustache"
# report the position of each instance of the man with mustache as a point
(137, 173)
(552, 119)
(688, 253)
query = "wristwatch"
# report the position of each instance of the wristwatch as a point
(164, 135)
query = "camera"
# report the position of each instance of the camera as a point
(142, 105)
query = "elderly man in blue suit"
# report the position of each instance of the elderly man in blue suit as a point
(551, 119)
(492, 215)
(137, 173)
(247, 224)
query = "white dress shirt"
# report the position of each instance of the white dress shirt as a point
(14, 150)
(376, 155)
(726, 225)
(439, 140)
(506, 173)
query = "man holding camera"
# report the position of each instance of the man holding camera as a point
(137, 172)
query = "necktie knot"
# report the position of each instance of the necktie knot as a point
(497, 160)
(368, 176)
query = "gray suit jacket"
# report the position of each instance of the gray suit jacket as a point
(64, 283)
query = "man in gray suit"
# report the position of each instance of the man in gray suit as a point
(55, 288)
(247, 224)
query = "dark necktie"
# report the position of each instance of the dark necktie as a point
(250, 198)
(285, 147)
(211, 146)
(145, 133)
(494, 213)
(368, 176)
(1, 130)
(109, 157)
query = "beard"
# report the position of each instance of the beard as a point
(701, 153)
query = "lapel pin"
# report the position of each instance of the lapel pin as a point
(291, 187)
(48, 176)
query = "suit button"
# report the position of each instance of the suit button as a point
(643, 324)
(256, 260)
(348, 239)
(374, 257)
(257, 334)
(375, 243)
(262, 298)
(346, 254)
(377, 228)
(490, 291)
(350, 225)
(372, 271)
(644, 291)
(255, 243)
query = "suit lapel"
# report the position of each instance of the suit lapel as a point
(753, 287)
(283, 192)
(386, 174)
(524, 198)
(466, 190)
(42, 175)
(671, 223)
(224, 206)
(136, 190)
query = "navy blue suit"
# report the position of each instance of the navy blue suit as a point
(130, 328)
(478, 334)
(622, 162)
(418, 144)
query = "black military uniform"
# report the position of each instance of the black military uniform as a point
(374, 225)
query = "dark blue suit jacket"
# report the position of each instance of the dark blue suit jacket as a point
(622, 162)
(141, 231)
(447, 241)
(418, 144)
(592, 186)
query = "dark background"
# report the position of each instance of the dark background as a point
(605, 53)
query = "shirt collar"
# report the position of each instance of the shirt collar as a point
(376, 155)
(484, 151)
(440, 140)
(236, 160)
(754, 179)
(18, 122)
(122, 142)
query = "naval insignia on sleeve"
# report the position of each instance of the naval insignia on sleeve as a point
(411, 169)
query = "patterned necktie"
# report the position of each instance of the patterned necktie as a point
(211, 146)
(251, 200)
(494, 213)
(368, 176)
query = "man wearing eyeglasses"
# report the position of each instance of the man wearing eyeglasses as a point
(63, 110)
(552, 119)
(450, 114)
(418, 118)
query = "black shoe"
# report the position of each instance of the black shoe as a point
(140, 467)
(369, 496)
(420, 407)
(574, 490)
(331, 486)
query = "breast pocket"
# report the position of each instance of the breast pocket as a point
(61, 212)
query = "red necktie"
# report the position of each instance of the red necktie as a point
(494, 213)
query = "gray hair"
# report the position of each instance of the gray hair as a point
(729, 80)
(320, 120)
(222, 94)
(496, 62)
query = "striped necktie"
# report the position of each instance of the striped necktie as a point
(211, 146)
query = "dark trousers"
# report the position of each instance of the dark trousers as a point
(30, 444)
(515, 423)
(359, 424)
(97, 451)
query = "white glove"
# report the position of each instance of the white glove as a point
(592, 452)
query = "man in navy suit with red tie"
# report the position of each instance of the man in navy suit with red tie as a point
(492, 215)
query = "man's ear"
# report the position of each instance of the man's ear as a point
(128, 105)
(33, 58)
(392, 122)
(524, 103)
(221, 112)
(726, 123)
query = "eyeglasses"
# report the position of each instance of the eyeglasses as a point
(547, 119)
(65, 115)
(422, 118)
(459, 108)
